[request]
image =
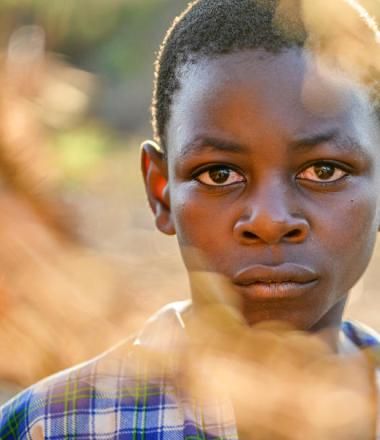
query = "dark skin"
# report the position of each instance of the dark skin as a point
(272, 165)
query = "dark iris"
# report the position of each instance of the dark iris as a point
(219, 175)
(324, 171)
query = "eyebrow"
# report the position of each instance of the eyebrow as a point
(303, 143)
(202, 144)
(344, 143)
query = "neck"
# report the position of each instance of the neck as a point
(328, 327)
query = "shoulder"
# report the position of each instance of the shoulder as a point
(360, 334)
(104, 397)
(62, 399)
(14, 416)
(89, 399)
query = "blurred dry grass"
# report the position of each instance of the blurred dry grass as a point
(270, 381)
(65, 294)
(283, 384)
(62, 301)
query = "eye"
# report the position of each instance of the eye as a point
(323, 172)
(219, 175)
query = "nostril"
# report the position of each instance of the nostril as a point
(295, 233)
(249, 235)
(271, 232)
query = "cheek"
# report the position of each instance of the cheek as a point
(193, 219)
(350, 237)
(200, 224)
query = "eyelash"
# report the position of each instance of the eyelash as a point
(336, 167)
(216, 167)
(323, 163)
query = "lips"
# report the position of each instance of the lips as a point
(286, 280)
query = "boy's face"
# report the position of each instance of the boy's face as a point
(273, 176)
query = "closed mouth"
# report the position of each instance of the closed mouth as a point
(289, 281)
(286, 280)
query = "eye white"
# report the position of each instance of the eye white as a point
(322, 173)
(220, 176)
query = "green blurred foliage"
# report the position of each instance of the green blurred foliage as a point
(117, 35)
(80, 150)
(116, 41)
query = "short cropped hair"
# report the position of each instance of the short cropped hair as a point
(208, 28)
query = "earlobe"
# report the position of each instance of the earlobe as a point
(154, 169)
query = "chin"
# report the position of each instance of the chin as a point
(292, 319)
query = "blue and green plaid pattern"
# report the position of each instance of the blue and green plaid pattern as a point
(107, 399)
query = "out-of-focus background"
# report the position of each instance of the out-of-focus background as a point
(81, 265)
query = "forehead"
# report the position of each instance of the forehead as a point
(241, 94)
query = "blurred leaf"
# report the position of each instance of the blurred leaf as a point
(80, 150)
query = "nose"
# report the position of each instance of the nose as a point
(269, 218)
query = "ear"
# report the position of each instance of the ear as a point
(155, 173)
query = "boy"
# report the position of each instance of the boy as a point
(266, 167)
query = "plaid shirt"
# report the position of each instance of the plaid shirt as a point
(109, 397)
